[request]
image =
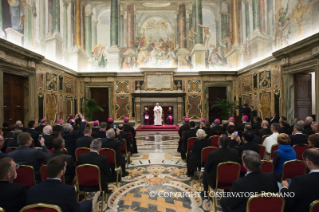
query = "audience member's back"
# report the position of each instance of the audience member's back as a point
(298, 137)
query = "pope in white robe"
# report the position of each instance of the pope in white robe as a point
(158, 114)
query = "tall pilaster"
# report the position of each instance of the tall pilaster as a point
(114, 23)
(78, 23)
(255, 15)
(262, 17)
(199, 20)
(130, 26)
(65, 25)
(224, 25)
(235, 23)
(247, 20)
(88, 33)
(182, 26)
(57, 15)
(94, 32)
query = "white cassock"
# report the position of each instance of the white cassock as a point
(158, 115)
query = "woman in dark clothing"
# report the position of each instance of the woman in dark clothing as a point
(170, 119)
(194, 159)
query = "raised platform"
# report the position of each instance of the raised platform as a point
(158, 128)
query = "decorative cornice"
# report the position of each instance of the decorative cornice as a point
(262, 63)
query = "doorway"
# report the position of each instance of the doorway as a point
(215, 93)
(13, 98)
(304, 95)
(101, 96)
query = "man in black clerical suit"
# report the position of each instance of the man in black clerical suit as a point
(256, 124)
(86, 140)
(101, 161)
(53, 191)
(58, 146)
(254, 182)
(58, 127)
(183, 129)
(13, 196)
(34, 134)
(274, 118)
(146, 116)
(170, 116)
(129, 128)
(305, 188)
(110, 142)
(128, 140)
(102, 132)
(298, 137)
(223, 154)
(217, 127)
(246, 143)
(42, 124)
(189, 134)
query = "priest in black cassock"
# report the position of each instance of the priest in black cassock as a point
(170, 118)
(146, 116)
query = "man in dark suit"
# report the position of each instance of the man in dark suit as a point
(69, 135)
(25, 155)
(14, 142)
(246, 143)
(189, 134)
(308, 123)
(274, 118)
(101, 161)
(298, 137)
(265, 129)
(86, 140)
(208, 130)
(53, 191)
(129, 145)
(220, 155)
(217, 128)
(58, 146)
(246, 111)
(284, 128)
(129, 128)
(184, 128)
(102, 131)
(254, 182)
(34, 134)
(48, 137)
(42, 124)
(110, 142)
(305, 188)
(256, 124)
(19, 123)
(241, 127)
(58, 127)
(11, 133)
(13, 196)
(256, 138)
(253, 113)
(2, 154)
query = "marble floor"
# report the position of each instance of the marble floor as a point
(157, 180)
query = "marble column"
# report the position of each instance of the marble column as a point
(255, 15)
(130, 26)
(262, 17)
(199, 20)
(114, 23)
(235, 23)
(57, 15)
(88, 33)
(42, 32)
(65, 25)
(182, 26)
(247, 20)
(78, 23)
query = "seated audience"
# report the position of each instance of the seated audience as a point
(247, 143)
(272, 139)
(315, 127)
(58, 146)
(102, 131)
(256, 139)
(2, 154)
(298, 137)
(42, 124)
(53, 191)
(307, 128)
(189, 134)
(34, 134)
(130, 128)
(110, 142)
(13, 196)
(129, 145)
(305, 188)
(20, 125)
(25, 155)
(14, 142)
(58, 127)
(274, 118)
(86, 140)
(255, 181)
(70, 135)
(208, 130)
(194, 159)
(11, 133)
(182, 130)
(217, 128)
(230, 131)
(284, 153)
(223, 154)
(48, 137)
(101, 161)
(313, 141)
(257, 123)
(264, 129)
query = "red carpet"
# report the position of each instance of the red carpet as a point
(158, 128)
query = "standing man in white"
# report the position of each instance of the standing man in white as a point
(157, 114)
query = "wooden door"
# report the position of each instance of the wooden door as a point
(101, 96)
(13, 98)
(302, 96)
(214, 93)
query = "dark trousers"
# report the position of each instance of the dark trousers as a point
(86, 206)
